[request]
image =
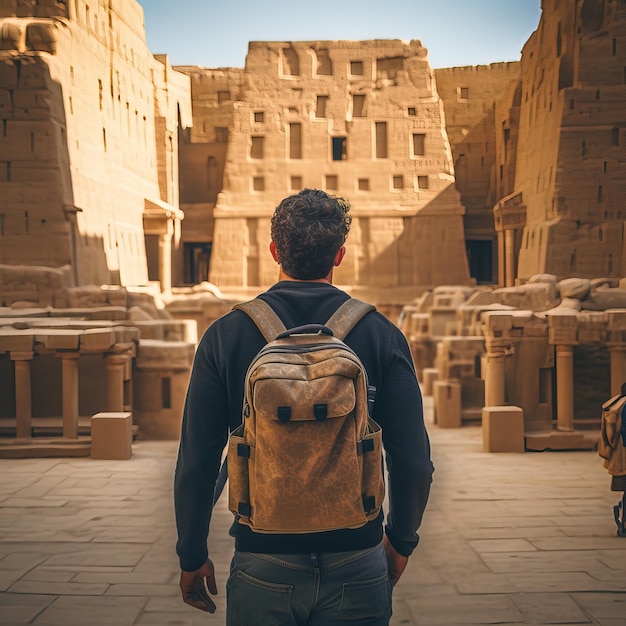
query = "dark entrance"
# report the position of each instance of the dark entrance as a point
(197, 260)
(480, 260)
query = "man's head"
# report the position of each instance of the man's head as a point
(308, 230)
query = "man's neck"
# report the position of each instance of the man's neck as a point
(328, 279)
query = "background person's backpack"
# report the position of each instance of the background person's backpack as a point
(307, 457)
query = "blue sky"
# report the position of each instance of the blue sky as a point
(215, 33)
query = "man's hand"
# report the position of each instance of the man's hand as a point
(396, 562)
(192, 585)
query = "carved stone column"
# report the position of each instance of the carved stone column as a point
(565, 387)
(69, 363)
(562, 333)
(616, 342)
(23, 391)
(115, 364)
(501, 259)
(617, 353)
(509, 246)
(495, 376)
(496, 326)
(165, 261)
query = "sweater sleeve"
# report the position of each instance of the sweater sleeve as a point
(407, 447)
(203, 437)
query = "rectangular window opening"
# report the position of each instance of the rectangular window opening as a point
(259, 117)
(332, 183)
(398, 182)
(419, 144)
(258, 183)
(381, 140)
(358, 105)
(257, 147)
(364, 184)
(295, 140)
(356, 68)
(295, 183)
(320, 106)
(422, 182)
(339, 148)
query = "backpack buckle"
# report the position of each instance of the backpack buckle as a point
(284, 414)
(320, 411)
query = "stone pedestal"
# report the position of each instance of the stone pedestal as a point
(112, 436)
(429, 376)
(447, 402)
(503, 429)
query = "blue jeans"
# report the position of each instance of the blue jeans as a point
(322, 588)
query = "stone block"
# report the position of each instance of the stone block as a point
(97, 339)
(112, 436)
(447, 403)
(429, 376)
(576, 288)
(503, 429)
(604, 299)
(15, 340)
(532, 296)
(59, 339)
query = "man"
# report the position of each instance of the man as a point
(342, 576)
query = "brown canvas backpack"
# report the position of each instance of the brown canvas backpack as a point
(307, 457)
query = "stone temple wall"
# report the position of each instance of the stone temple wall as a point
(88, 139)
(470, 95)
(570, 163)
(359, 119)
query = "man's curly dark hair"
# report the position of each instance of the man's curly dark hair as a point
(308, 229)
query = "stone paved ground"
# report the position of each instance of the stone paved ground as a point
(507, 539)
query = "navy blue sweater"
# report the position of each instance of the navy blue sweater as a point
(213, 408)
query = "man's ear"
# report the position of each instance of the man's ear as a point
(274, 251)
(339, 256)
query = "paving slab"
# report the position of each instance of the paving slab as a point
(507, 539)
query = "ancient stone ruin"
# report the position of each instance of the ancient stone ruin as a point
(135, 200)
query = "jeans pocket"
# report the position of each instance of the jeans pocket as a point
(253, 601)
(364, 599)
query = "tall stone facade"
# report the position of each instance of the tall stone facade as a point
(88, 142)
(359, 119)
(202, 160)
(470, 95)
(562, 133)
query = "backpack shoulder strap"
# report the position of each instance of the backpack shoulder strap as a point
(262, 314)
(612, 401)
(346, 317)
